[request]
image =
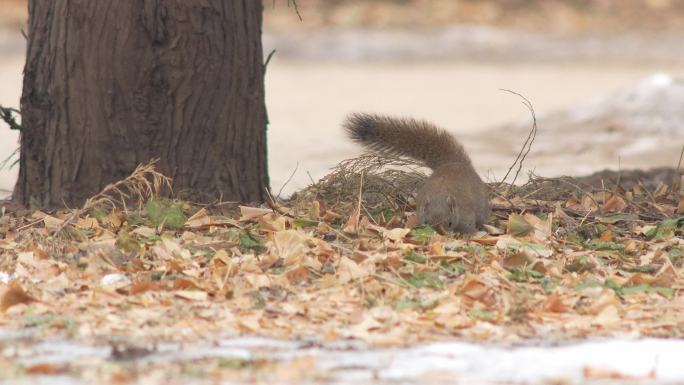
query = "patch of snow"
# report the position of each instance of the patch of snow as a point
(113, 278)
(660, 80)
(639, 358)
(58, 352)
(652, 360)
(640, 146)
(4, 277)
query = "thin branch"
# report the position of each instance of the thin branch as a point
(527, 146)
(358, 208)
(3, 164)
(296, 8)
(274, 205)
(6, 114)
(287, 181)
(268, 59)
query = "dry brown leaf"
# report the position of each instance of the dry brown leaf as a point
(554, 304)
(87, 223)
(641, 279)
(605, 298)
(52, 223)
(199, 219)
(348, 270)
(516, 260)
(518, 226)
(668, 275)
(291, 245)
(606, 236)
(475, 289)
(247, 213)
(614, 204)
(593, 374)
(14, 294)
(250, 322)
(191, 295)
(297, 275)
(145, 286)
(273, 222)
(351, 226)
(39, 369)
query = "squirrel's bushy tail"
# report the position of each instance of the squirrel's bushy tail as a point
(416, 139)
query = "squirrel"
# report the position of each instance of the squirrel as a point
(454, 196)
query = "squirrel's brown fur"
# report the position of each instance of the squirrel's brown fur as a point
(454, 196)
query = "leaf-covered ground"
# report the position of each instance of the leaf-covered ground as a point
(594, 264)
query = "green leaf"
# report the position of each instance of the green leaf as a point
(588, 283)
(415, 257)
(610, 284)
(165, 211)
(664, 229)
(135, 220)
(665, 291)
(126, 242)
(151, 239)
(251, 242)
(615, 218)
(675, 254)
(612, 246)
(303, 223)
(99, 215)
(407, 304)
(523, 274)
(518, 225)
(422, 233)
(580, 264)
(482, 314)
(426, 279)
(453, 268)
(382, 214)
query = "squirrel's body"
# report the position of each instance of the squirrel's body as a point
(454, 196)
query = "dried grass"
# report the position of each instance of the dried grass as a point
(385, 181)
(145, 182)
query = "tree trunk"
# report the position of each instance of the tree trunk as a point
(110, 84)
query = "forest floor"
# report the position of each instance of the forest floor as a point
(165, 292)
(573, 281)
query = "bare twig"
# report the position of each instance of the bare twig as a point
(617, 183)
(287, 181)
(273, 204)
(3, 164)
(296, 8)
(268, 59)
(6, 114)
(527, 145)
(358, 207)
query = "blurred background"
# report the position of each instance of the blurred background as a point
(603, 77)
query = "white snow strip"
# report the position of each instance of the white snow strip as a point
(113, 278)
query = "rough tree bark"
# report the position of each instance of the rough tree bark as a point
(109, 84)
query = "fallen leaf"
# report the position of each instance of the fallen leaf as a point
(191, 295)
(247, 213)
(14, 294)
